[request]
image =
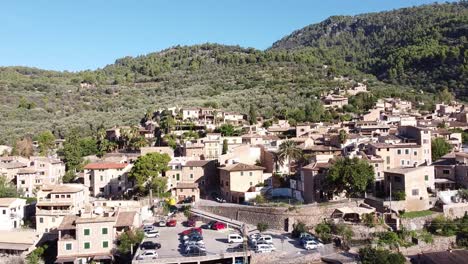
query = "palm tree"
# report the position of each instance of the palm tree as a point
(289, 151)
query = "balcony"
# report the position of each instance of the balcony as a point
(53, 211)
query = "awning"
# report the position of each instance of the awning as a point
(65, 259)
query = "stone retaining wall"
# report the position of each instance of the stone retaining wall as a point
(279, 218)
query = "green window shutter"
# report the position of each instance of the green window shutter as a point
(87, 245)
(104, 231)
(87, 232)
(68, 246)
(105, 244)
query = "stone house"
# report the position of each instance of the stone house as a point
(415, 182)
(238, 179)
(186, 190)
(11, 213)
(334, 101)
(56, 201)
(92, 236)
(107, 179)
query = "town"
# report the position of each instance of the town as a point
(205, 185)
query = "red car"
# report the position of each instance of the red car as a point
(191, 223)
(191, 230)
(171, 223)
(218, 226)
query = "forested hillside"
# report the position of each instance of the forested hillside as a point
(423, 46)
(282, 82)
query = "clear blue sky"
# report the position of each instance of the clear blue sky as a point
(88, 34)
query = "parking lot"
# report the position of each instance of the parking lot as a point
(215, 242)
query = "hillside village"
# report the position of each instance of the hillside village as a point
(393, 171)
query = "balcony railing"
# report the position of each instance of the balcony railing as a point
(53, 212)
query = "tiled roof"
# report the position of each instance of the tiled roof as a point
(241, 167)
(196, 163)
(105, 165)
(186, 185)
(125, 219)
(68, 222)
(5, 202)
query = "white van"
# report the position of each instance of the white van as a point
(264, 248)
(235, 238)
(265, 239)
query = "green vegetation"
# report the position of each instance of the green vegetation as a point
(350, 175)
(299, 228)
(416, 214)
(420, 48)
(129, 239)
(46, 142)
(37, 255)
(399, 195)
(439, 148)
(6, 189)
(326, 230)
(289, 152)
(370, 255)
(262, 227)
(147, 173)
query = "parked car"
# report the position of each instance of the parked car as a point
(235, 238)
(238, 248)
(149, 245)
(260, 239)
(148, 254)
(264, 248)
(171, 223)
(195, 251)
(148, 227)
(311, 244)
(191, 230)
(152, 233)
(161, 223)
(218, 226)
(254, 236)
(306, 236)
(195, 240)
(192, 236)
(209, 224)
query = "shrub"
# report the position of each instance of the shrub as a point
(323, 231)
(399, 196)
(369, 255)
(299, 228)
(262, 227)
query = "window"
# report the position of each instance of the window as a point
(191, 176)
(227, 183)
(68, 196)
(415, 192)
(41, 220)
(191, 168)
(178, 176)
(68, 246)
(105, 244)
(376, 165)
(86, 231)
(102, 178)
(399, 152)
(87, 245)
(57, 196)
(415, 152)
(425, 141)
(242, 173)
(23, 182)
(53, 219)
(104, 230)
(250, 173)
(406, 151)
(251, 184)
(4, 211)
(388, 159)
(446, 171)
(402, 162)
(426, 177)
(119, 178)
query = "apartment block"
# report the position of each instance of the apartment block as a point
(237, 179)
(107, 179)
(11, 213)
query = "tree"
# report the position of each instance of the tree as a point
(138, 142)
(252, 114)
(159, 185)
(167, 121)
(46, 142)
(6, 189)
(72, 152)
(445, 96)
(298, 228)
(227, 130)
(35, 257)
(225, 146)
(24, 147)
(324, 232)
(129, 239)
(69, 176)
(288, 151)
(262, 227)
(148, 167)
(350, 175)
(439, 148)
(370, 255)
(342, 136)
